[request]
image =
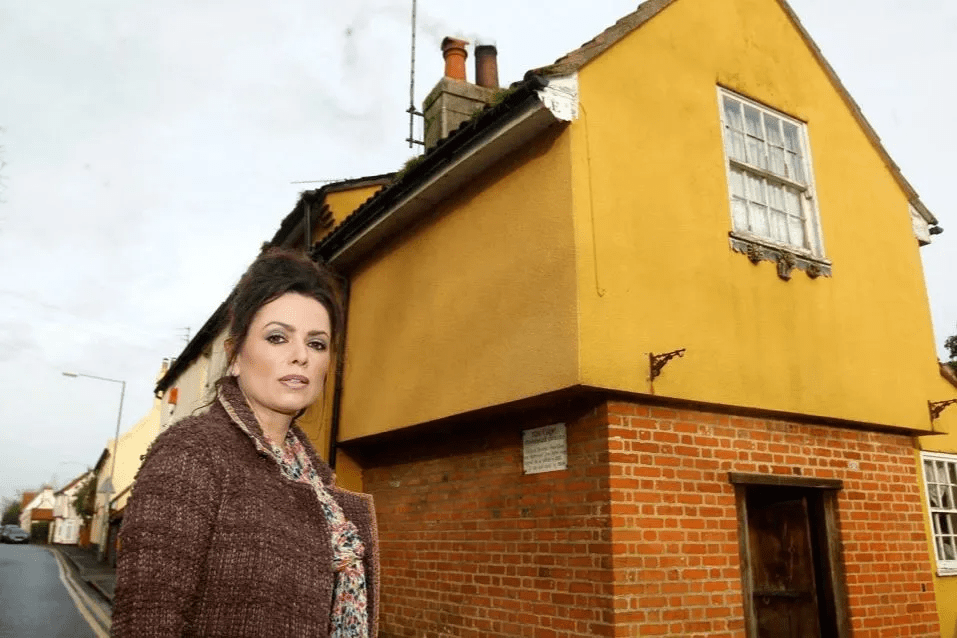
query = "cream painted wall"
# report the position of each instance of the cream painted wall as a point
(133, 444)
(655, 269)
(474, 307)
(195, 384)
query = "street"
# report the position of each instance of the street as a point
(40, 597)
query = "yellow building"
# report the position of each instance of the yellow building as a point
(643, 347)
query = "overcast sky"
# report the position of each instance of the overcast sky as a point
(151, 147)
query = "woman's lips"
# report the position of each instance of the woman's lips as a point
(294, 381)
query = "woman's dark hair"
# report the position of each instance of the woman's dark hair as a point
(276, 272)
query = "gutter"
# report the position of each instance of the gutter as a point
(528, 109)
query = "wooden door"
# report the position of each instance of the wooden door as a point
(784, 587)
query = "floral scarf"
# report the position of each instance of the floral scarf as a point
(349, 618)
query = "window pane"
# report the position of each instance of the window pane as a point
(732, 114)
(776, 195)
(752, 120)
(947, 546)
(737, 183)
(933, 495)
(779, 227)
(776, 161)
(756, 190)
(773, 126)
(928, 471)
(791, 138)
(775, 145)
(739, 213)
(756, 153)
(796, 232)
(759, 219)
(952, 473)
(735, 148)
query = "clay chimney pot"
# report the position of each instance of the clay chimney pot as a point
(486, 66)
(453, 50)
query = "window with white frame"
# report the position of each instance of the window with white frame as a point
(940, 478)
(769, 177)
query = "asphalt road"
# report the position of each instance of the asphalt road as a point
(37, 597)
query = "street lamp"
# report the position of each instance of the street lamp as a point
(107, 487)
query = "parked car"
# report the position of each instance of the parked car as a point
(13, 534)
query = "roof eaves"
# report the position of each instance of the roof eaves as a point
(471, 134)
(575, 60)
(295, 217)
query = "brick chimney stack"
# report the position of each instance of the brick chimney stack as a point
(454, 99)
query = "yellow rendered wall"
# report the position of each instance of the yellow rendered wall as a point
(652, 218)
(474, 307)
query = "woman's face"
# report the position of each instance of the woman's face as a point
(282, 365)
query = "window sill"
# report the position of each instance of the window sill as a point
(946, 571)
(787, 259)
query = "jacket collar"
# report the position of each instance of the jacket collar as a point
(231, 397)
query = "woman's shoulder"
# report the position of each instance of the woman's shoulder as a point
(199, 433)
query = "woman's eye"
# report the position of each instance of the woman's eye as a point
(275, 338)
(317, 345)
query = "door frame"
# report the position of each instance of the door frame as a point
(826, 492)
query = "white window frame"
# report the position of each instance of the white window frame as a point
(946, 507)
(814, 248)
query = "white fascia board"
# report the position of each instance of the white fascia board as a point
(920, 226)
(560, 104)
(561, 96)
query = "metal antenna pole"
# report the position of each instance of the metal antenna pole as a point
(411, 110)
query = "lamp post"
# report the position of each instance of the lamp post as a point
(107, 487)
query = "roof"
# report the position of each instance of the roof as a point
(73, 482)
(575, 60)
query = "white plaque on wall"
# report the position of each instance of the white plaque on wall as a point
(545, 449)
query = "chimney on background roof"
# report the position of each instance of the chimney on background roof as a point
(486, 66)
(453, 50)
(454, 99)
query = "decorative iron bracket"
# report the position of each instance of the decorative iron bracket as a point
(936, 407)
(658, 361)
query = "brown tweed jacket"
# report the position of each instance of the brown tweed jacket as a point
(216, 542)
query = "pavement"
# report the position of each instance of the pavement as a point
(100, 576)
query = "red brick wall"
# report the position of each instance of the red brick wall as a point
(471, 547)
(677, 568)
(639, 537)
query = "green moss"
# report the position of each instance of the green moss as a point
(410, 163)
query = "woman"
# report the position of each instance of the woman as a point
(235, 527)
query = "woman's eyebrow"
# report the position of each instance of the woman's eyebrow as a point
(293, 329)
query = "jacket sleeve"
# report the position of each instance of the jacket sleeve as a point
(165, 537)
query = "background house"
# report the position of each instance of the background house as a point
(67, 523)
(37, 514)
